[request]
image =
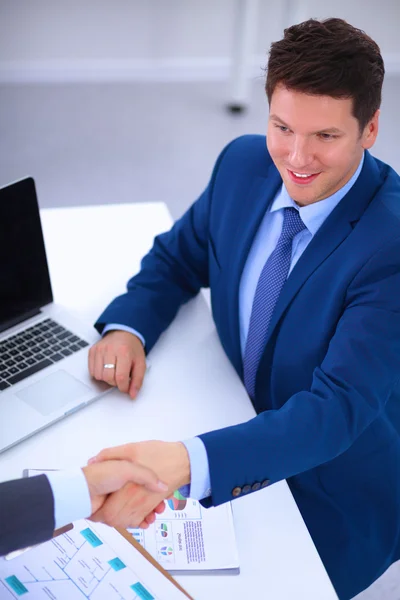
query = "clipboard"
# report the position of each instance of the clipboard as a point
(125, 534)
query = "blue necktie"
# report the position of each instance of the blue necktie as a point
(269, 286)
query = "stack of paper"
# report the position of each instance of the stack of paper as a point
(187, 538)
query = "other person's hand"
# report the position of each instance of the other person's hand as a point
(125, 352)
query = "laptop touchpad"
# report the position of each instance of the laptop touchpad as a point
(53, 392)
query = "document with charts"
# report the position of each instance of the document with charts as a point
(90, 561)
(187, 538)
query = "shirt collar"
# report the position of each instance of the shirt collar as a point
(313, 215)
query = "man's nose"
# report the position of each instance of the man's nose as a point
(300, 155)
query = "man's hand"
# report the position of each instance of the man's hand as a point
(103, 478)
(126, 352)
(133, 505)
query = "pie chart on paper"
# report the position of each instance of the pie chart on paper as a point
(177, 502)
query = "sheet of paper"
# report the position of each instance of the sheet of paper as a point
(90, 561)
(189, 538)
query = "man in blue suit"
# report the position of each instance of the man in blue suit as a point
(298, 237)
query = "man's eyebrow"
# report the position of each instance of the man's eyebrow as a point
(276, 118)
(327, 130)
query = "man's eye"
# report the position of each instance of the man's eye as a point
(282, 128)
(327, 136)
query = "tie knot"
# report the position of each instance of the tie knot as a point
(292, 223)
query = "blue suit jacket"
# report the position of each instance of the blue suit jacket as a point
(327, 393)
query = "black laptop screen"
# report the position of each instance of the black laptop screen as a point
(24, 276)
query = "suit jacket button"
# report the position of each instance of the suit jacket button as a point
(256, 486)
(265, 483)
(246, 489)
(236, 491)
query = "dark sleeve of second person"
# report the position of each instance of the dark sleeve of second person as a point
(26, 513)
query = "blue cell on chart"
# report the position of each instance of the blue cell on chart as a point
(141, 591)
(16, 585)
(116, 564)
(91, 537)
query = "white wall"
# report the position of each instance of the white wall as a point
(95, 39)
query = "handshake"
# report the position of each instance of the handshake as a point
(128, 484)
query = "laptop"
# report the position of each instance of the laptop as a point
(43, 349)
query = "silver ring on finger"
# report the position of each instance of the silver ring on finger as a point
(109, 366)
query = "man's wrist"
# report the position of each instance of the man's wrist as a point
(200, 483)
(182, 464)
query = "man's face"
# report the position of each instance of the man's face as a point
(315, 136)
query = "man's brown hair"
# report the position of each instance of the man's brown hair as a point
(329, 58)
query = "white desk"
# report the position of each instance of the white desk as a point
(191, 388)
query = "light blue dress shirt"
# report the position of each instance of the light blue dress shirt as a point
(263, 245)
(114, 326)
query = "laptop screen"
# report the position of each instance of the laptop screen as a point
(24, 276)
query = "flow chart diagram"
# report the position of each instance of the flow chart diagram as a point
(75, 566)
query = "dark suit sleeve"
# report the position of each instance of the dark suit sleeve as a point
(171, 273)
(26, 513)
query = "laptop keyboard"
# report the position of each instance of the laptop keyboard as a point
(34, 349)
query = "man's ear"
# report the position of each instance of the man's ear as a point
(371, 131)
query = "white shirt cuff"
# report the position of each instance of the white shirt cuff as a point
(71, 496)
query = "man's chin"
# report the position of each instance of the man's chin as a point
(302, 197)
